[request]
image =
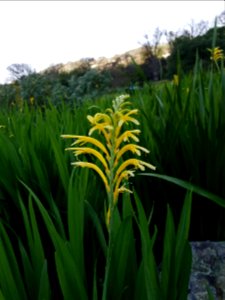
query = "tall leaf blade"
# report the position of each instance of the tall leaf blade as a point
(149, 264)
(167, 282)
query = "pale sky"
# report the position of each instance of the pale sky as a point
(43, 33)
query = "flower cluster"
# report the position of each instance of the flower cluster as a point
(176, 79)
(111, 126)
(216, 54)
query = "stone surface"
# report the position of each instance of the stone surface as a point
(208, 270)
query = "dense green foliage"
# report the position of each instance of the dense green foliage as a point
(38, 89)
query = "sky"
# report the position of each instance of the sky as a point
(45, 33)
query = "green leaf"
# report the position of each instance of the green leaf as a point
(140, 285)
(121, 263)
(167, 282)
(98, 226)
(44, 287)
(183, 249)
(189, 186)
(150, 267)
(95, 289)
(76, 197)
(70, 278)
(10, 277)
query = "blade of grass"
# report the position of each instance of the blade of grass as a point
(167, 282)
(191, 187)
(149, 264)
(183, 249)
(98, 226)
(70, 278)
(10, 277)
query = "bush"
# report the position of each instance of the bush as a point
(91, 84)
(186, 47)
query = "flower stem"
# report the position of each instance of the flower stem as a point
(110, 218)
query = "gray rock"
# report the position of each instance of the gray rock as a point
(208, 270)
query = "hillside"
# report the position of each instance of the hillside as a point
(103, 63)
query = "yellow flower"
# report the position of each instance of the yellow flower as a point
(175, 79)
(138, 164)
(99, 117)
(94, 167)
(32, 100)
(111, 150)
(102, 123)
(124, 118)
(87, 150)
(216, 54)
(126, 136)
(85, 139)
(119, 102)
(130, 147)
(120, 189)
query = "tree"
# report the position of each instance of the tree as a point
(18, 71)
(185, 47)
(197, 29)
(151, 53)
(221, 19)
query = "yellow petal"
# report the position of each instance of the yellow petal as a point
(90, 119)
(122, 189)
(124, 175)
(100, 127)
(124, 165)
(131, 147)
(126, 118)
(86, 139)
(87, 150)
(124, 137)
(99, 118)
(136, 163)
(96, 168)
(150, 166)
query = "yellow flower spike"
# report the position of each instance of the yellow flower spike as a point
(86, 150)
(175, 79)
(32, 100)
(117, 174)
(84, 164)
(109, 151)
(216, 54)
